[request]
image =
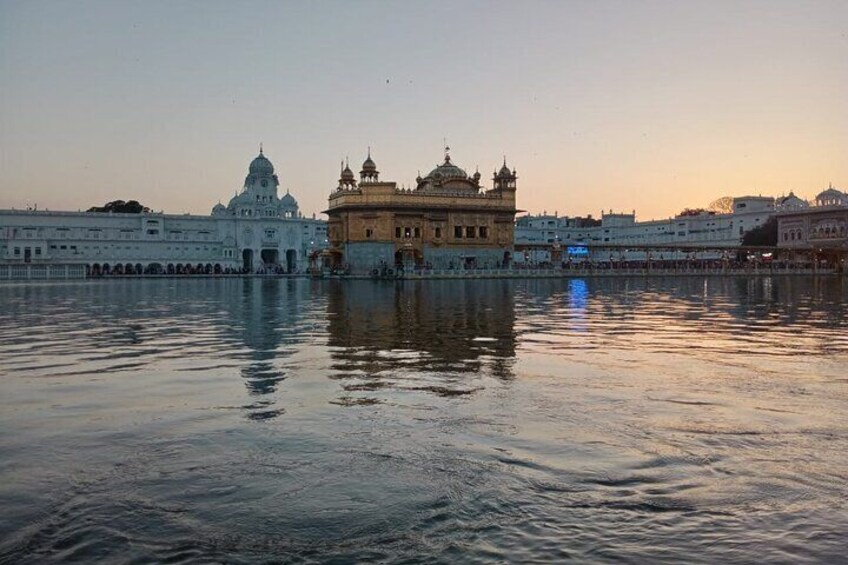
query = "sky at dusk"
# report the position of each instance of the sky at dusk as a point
(652, 106)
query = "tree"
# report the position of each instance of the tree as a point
(121, 207)
(692, 212)
(764, 235)
(723, 205)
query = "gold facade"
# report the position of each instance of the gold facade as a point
(447, 220)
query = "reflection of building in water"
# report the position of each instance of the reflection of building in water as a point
(457, 326)
(267, 318)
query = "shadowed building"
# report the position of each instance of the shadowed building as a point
(818, 230)
(447, 221)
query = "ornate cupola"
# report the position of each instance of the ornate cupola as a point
(347, 180)
(260, 176)
(259, 197)
(369, 172)
(261, 165)
(476, 177)
(505, 179)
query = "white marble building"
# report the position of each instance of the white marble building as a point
(820, 225)
(257, 231)
(536, 236)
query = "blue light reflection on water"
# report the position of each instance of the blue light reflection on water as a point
(578, 293)
(677, 419)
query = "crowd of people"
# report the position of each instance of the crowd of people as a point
(107, 270)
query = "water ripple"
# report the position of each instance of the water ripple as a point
(641, 420)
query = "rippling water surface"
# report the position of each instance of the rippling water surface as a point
(677, 419)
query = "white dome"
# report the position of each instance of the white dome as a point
(261, 165)
(791, 202)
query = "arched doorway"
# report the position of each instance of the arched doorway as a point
(247, 259)
(291, 261)
(270, 257)
(507, 258)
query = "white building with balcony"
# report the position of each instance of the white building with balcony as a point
(545, 238)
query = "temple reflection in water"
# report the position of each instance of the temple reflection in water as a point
(457, 326)
(281, 340)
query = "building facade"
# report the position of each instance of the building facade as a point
(448, 221)
(256, 232)
(545, 238)
(816, 229)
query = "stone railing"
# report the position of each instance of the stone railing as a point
(401, 198)
(29, 272)
(599, 272)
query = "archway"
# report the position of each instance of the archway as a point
(138, 269)
(218, 269)
(171, 269)
(291, 261)
(270, 256)
(507, 258)
(247, 259)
